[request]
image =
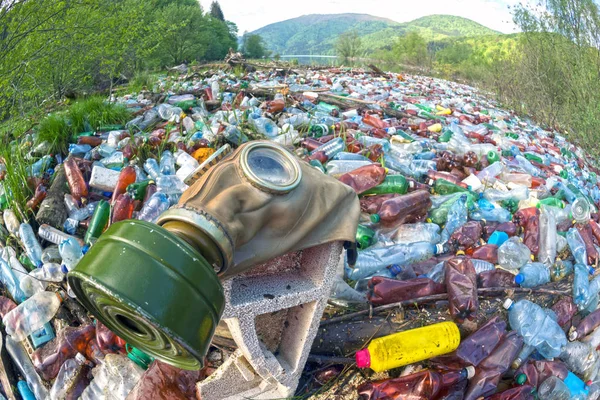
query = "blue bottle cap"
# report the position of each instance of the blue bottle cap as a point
(519, 279)
(395, 269)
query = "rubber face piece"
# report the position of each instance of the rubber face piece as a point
(153, 290)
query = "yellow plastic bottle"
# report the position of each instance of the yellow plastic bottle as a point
(408, 347)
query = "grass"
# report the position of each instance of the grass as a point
(90, 114)
(15, 181)
(55, 130)
(141, 80)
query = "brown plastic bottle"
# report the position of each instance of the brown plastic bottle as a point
(522, 216)
(496, 278)
(435, 175)
(423, 385)
(385, 291)
(534, 372)
(6, 306)
(466, 236)
(507, 227)
(470, 159)
(564, 309)
(364, 178)
(595, 229)
(461, 285)
(372, 204)
(481, 343)
(123, 208)
(531, 239)
(525, 392)
(491, 369)
(487, 252)
(585, 230)
(402, 209)
(126, 178)
(586, 326)
(162, 381)
(107, 340)
(70, 341)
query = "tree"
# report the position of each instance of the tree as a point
(253, 46)
(412, 49)
(216, 12)
(348, 44)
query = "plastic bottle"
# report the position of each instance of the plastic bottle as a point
(498, 238)
(480, 344)
(443, 187)
(553, 388)
(364, 178)
(497, 214)
(21, 359)
(457, 217)
(547, 244)
(71, 253)
(11, 221)
(372, 259)
(581, 358)
(123, 208)
(32, 246)
(75, 179)
(408, 347)
(461, 284)
(536, 326)
(344, 294)
(586, 234)
(385, 291)
(67, 376)
(401, 209)
(425, 384)
(170, 184)
(127, 177)
(32, 314)
(11, 281)
(98, 222)
(580, 209)
(156, 205)
(577, 246)
(167, 163)
(586, 326)
(560, 269)
(391, 184)
(533, 275)
(114, 379)
(152, 168)
(513, 254)
(518, 193)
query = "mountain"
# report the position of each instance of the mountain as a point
(317, 33)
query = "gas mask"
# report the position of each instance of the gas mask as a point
(157, 286)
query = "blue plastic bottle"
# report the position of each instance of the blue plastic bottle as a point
(532, 275)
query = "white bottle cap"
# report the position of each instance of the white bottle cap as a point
(80, 357)
(507, 304)
(470, 371)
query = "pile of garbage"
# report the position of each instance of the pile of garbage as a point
(462, 203)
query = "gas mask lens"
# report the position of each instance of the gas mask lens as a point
(270, 168)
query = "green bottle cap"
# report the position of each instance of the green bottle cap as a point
(521, 379)
(375, 218)
(139, 357)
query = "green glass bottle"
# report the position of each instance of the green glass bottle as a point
(138, 190)
(443, 187)
(365, 237)
(112, 127)
(391, 184)
(98, 222)
(186, 105)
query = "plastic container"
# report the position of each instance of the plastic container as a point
(408, 347)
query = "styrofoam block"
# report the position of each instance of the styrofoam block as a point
(104, 179)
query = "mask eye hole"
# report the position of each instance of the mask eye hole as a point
(270, 167)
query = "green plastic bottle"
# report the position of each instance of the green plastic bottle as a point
(492, 157)
(512, 135)
(443, 187)
(186, 105)
(107, 128)
(551, 201)
(439, 215)
(98, 222)
(404, 136)
(138, 190)
(446, 136)
(365, 237)
(391, 184)
(534, 157)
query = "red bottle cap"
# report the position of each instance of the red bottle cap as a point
(363, 358)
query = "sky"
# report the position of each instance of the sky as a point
(254, 14)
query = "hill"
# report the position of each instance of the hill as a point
(317, 33)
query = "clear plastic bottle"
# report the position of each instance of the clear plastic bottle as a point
(53, 235)
(577, 246)
(580, 209)
(532, 275)
(152, 168)
(553, 388)
(582, 295)
(156, 205)
(11, 281)
(32, 246)
(513, 254)
(23, 362)
(167, 163)
(113, 379)
(547, 244)
(71, 252)
(582, 359)
(497, 214)
(341, 292)
(537, 326)
(457, 217)
(331, 148)
(170, 184)
(32, 314)
(518, 193)
(266, 127)
(410, 233)
(482, 265)
(67, 377)
(372, 259)
(11, 221)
